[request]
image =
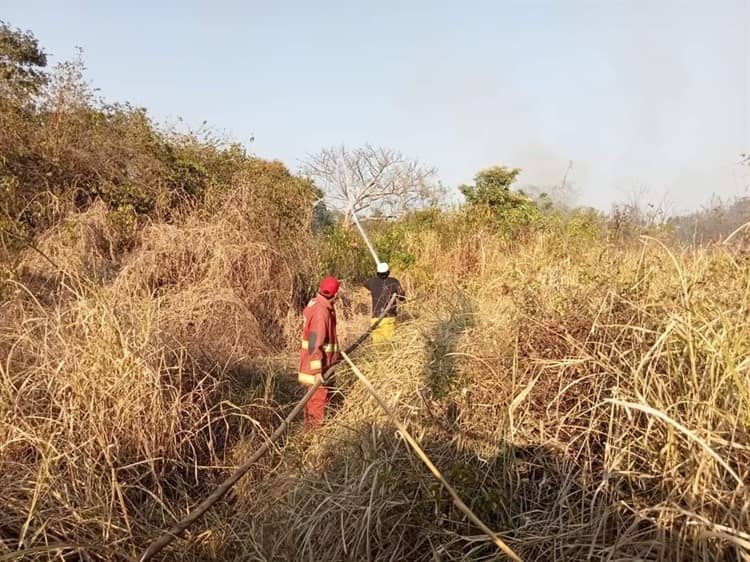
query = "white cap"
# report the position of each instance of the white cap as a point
(383, 267)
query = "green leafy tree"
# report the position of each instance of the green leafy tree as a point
(492, 187)
(491, 196)
(22, 62)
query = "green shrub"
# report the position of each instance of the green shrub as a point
(344, 254)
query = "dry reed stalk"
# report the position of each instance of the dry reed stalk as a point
(430, 465)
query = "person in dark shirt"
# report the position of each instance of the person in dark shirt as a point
(382, 287)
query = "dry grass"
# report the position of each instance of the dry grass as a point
(221, 293)
(587, 402)
(117, 373)
(97, 418)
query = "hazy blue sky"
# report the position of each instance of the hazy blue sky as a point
(635, 93)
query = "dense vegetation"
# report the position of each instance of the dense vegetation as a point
(584, 387)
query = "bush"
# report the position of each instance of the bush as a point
(491, 199)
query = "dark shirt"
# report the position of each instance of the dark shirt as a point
(382, 290)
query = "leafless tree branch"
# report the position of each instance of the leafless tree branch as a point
(370, 179)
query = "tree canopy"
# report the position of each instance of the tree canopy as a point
(22, 61)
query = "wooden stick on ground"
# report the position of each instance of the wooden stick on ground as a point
(178, 528)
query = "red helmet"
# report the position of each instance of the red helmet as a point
(329, 286)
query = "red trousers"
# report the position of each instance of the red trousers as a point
(315, 408)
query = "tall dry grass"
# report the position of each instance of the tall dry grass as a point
(149, 280)
(588, 402)
(131, 362)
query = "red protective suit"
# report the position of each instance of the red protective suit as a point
(319, 350)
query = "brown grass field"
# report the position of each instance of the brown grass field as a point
(588, 400)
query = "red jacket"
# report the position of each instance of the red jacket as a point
(320, 347)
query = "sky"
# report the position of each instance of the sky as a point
(643, 97)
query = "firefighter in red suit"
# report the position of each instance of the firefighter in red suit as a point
(320, 347)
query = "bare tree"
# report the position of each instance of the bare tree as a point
(371, 180)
